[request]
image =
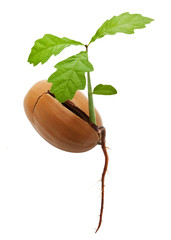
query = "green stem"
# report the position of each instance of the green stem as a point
(92, 116)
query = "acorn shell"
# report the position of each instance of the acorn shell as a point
(58, 125)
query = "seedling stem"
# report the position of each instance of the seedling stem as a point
(92, 116)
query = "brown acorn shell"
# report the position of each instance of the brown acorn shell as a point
(58, 125)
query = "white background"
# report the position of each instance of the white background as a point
(46, 193)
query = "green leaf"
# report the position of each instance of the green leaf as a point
(70, 76)
(124, 23)
(104, 90)
(47, 46)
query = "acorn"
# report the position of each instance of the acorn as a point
(65, 125)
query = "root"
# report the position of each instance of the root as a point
(103, 135)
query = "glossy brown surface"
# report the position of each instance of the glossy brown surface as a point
(58, 125)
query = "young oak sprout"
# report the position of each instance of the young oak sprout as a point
(58, 111)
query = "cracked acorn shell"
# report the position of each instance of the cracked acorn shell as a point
(58, 125)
